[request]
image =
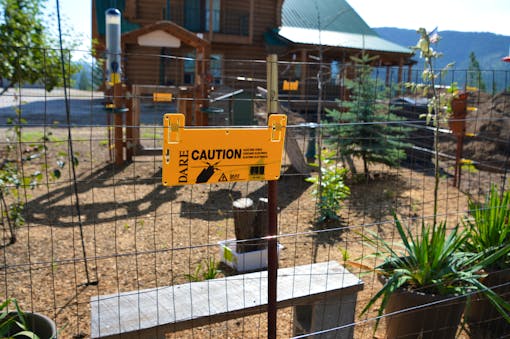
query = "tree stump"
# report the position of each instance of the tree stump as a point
(261, 222)
(243, 221)
(250, 223)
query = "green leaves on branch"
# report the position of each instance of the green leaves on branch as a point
(363, 126)
(16, 174)
(29, 54)
(330, 188)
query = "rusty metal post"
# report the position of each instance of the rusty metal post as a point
(131, 141)
(458, 161)
(272, 243)
(457, 124)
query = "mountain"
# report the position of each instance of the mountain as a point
(456, 47)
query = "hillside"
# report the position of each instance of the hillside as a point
(456, 46)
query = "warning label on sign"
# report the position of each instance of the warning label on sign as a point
(208, 155)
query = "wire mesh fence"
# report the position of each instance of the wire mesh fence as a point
(76, 226)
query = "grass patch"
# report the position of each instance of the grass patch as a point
(37, 136)
(151, 136)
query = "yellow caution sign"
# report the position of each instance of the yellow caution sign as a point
(210, 155)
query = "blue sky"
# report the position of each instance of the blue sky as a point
(460, 15)
(456, 15)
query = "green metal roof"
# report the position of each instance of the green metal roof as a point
(336, 21)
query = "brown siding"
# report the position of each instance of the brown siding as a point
(130, 11)
(265, 18)
(177, 12)
(141, 66)
(150, 10)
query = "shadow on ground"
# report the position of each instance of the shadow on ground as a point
(58, 207)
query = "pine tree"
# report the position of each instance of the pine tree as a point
(363, 126)
(474, 73)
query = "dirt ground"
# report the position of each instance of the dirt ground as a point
(132, 233)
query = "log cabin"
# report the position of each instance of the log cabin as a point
(222, 42)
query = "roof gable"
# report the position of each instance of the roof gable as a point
(171, 29)
(326, 15)
(331, 23)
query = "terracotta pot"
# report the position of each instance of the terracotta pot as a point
(459, 106)
(482, 317)
(437, 321)
(457, 121)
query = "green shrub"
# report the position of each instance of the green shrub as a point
(330, 188)
(488, 230)
(210, 271)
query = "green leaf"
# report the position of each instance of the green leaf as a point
(37, 175)
(56, 174)
(27, 334)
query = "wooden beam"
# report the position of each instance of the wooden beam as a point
(130, 11)
(211, 25)
(153, 312)
(400, 66)
(229, 39)
(252, 15)
(202, 61)
(118, 124)
(304, 71)
(279, 13)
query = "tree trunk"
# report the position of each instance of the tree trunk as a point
(250, 223)
(244, 216)
(365, 165)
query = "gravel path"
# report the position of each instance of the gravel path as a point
(86, 107)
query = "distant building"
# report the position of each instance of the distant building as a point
(241, 30)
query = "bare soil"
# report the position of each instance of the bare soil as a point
(132, 233)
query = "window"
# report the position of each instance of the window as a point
(193, 15)
(335, 72)
(216, 68)
(215, 15)
(197, 14)
(189, 69)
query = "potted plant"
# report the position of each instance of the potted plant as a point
(21, 324)
(488, 231)
(425, 283)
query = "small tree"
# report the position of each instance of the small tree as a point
(15, 176)
(330, 188)
(474, 76)
(27, 56)
(367, 128)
